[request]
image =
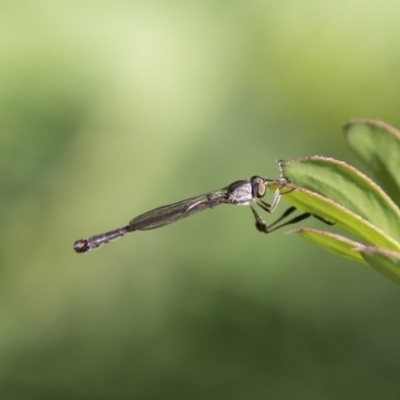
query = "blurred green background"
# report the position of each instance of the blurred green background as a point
(109, 109)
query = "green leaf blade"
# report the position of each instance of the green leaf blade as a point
(384, 261)
(346, 186)
(377, 145)
(313, 203)
(334, 243)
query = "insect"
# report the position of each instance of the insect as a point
(243, 192)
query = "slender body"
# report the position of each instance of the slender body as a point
(245, 192)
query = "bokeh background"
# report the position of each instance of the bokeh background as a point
(111, 108)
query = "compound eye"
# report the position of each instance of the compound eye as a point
(261, 189)
(258, 186)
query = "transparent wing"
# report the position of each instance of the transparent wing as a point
(165, 215)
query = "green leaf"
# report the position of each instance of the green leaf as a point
(347, 186)
(336, 244)
(384, 261)
(377, 145)
(332, 212)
